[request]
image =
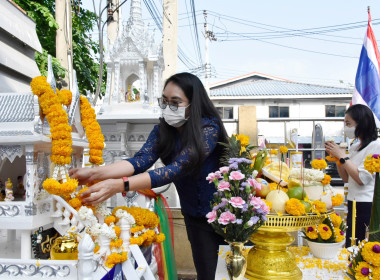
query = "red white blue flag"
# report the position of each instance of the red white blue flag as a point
(367, 82)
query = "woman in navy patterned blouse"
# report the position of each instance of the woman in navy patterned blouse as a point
(186, 140)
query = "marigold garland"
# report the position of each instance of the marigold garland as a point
(294, 207)
(52, 186)
(142, 216)
(318, 163)
(361, 268)
(110, 219)
(65, 96)
(337, 200)
(116, 243)
(93, 131)
(326, 180)
(372, 163)
(116, 258)
(336, 220)
(319, 206)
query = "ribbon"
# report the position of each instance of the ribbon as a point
(164, 252)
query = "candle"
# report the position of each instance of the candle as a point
(353, 223)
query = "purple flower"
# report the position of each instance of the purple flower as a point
(376, 156)
(365, 271)
(233, 165)
(253, 220)
(325, 228)
(341, 232)
(311, 229)
(245, 208)
(376, 248)
(337, 214)
(239, 221)
(350, 265)
(244, 184)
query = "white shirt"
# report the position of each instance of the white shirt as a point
(355, 191)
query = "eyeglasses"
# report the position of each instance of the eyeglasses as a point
(163, 104)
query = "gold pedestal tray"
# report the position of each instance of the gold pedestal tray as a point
(270, 258)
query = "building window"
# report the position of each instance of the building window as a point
(278, 111)
(335, 111)
(226, 112)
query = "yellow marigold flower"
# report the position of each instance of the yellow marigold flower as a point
(294, 207)
(115, 258)
(283, 149)
(244, 139)
(324, 231)
(95, 152)
(52, 186)
(116, 243)
(69, 186)
(337, 200)
(326, 180)
(65, 96)
(117, 230)
(336, 220)
(136, 240)
(273, 186)
(371, 253)
(137, 229)
(362, 271)
(339, 235)
(372, 163)
(110, 219)
(319, 206)
(75, 202)
(273, 152)
(319, 163)
(376, 272)
(160, 238)
(311, 232)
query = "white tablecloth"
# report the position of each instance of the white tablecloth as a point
(311, 267)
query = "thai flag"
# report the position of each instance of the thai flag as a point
(367, 82)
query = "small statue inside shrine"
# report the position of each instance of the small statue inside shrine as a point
(9, 191)
(19, 191)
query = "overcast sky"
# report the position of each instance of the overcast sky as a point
(270, 37)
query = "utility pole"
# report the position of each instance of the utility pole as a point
(64, 40)
(170, 40)
(209, 35)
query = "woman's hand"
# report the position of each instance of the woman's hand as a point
(83, 175)
(102, 191)
(334, 150)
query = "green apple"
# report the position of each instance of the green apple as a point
(296, 192)
(307, 206)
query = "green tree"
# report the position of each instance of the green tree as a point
(85, 50)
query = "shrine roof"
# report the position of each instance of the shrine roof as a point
(269, 87)
(16, 107)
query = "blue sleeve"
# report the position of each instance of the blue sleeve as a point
(148, 154)
(169, 173)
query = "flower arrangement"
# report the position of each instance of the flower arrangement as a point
(236, 211)
(365, 258)
(144, 230)
(331, 230)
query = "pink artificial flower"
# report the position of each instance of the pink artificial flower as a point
(211, 176)
(224, 169)
(223, 186)
(237, 202)
(226, 218)
(256, 202)
(211, 216)
(253, 183)
(236, 175)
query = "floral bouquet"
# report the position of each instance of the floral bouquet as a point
(365, 258)
(331, 230)
(236, 211)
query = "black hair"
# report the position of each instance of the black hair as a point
(201, 107)
(366, 128)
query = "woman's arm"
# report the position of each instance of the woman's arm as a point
(100, 173)
(342, 172)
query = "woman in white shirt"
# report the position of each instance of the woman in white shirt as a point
(359, 123)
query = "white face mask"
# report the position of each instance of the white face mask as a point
(349, 131)
(175, 118)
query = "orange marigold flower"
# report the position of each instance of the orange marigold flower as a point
(110, 219)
